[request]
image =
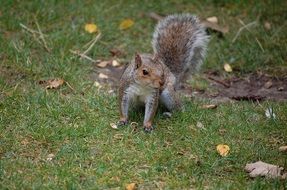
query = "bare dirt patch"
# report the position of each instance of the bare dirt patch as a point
(250, 87)
(253, 86)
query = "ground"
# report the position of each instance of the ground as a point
(61, 138)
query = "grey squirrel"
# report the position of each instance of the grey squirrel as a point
(179, 44)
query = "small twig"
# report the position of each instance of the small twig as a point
(42, 37)
(29, 29)
(261, 47)
(92, 44)
(70, 86)
(155, 16)
(242, 28)
(219, 81)
(83, 56)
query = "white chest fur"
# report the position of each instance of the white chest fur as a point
(139, 92)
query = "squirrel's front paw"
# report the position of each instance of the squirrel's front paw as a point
(122, 122)
(148, 128)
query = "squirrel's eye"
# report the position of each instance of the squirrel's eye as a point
(145, 72)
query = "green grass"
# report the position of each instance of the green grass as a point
(74, 124)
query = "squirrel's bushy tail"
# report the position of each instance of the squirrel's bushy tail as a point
(180, 41)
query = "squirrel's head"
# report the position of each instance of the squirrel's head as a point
(148, 71)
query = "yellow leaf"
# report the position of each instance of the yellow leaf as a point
(125, 24)
(131, 186)
(91, 28)
(223, 149)
(227, 68)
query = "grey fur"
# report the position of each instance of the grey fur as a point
(193, 42)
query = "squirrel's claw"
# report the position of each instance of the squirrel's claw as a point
(148, 128)
(122, 123)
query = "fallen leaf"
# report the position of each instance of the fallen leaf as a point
(269, 113)
(212, 19)
(115, 63)
(91, 28)
(209, 106)
(111, 91)
(131, 186)
(215, 27)
(103, 64)
(263, 169)
(50, 157)
(267, 25)
(53, 83)
(223, 149)
(125, 24)
(281, 88)
(227, 68)
(268, 84)
(113, 125)
(283, 148)
(103, 76)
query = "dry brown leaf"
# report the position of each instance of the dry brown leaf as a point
(223, 149)
(103, 64)
(115, 63)
(209, 106)
(215, 27)
(131, 186)
(227, 68)
(125, 24)
(113, 125)
(268, 84)
(111, 91)
(283, 148)
(54, 83)
(212, 19)
(50, 157)
(263, 169)
(103, 76)
(91, 28)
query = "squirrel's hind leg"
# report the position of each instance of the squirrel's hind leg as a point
(170, 99)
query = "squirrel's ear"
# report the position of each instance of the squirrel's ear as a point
(138, 60)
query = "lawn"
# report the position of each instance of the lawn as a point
(62, 139)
